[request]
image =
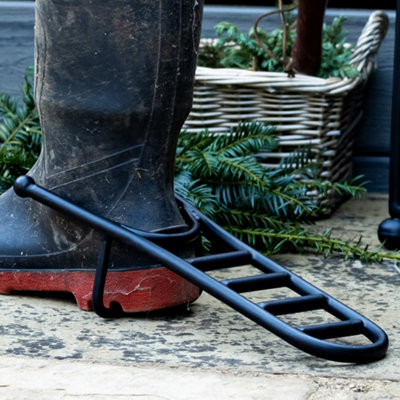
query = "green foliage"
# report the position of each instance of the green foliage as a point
(267, 208)
(335, 52)
(236, 49)
(227, 164)
(20, 135)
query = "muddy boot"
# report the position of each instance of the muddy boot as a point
(113, 86)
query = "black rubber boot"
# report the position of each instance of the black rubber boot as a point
(113, 86)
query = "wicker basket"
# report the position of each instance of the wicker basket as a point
(306, 110)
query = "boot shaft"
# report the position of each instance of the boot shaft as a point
(113, 86)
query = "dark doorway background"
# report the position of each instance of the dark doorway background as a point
(381, 4)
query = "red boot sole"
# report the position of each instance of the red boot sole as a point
(135, 291)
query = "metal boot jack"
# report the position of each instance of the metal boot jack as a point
(113, 85)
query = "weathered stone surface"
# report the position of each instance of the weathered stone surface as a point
(54, 380)
(209, 342)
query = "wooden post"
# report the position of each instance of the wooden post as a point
(306, 52)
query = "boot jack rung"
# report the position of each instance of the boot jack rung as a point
(222, 260)
(335, 329)
(295, 304)
(258, 282)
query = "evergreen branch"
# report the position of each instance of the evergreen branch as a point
(245, 139)
(342, 189)
(237, 169)
(320, 244)
(19, 125)
(20, 135)
(7, 106)
(306, 207)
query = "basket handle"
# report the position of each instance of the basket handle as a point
(370, 39)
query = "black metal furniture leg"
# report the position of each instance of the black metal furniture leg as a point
(389, 229)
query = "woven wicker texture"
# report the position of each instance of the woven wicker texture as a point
(306, 110)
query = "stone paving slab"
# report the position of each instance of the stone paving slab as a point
(209, 337)
(37, 379)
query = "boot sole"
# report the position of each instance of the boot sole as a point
(134, 291)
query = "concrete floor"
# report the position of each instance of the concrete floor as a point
(51, 350)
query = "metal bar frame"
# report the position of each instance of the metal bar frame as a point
(306, 338)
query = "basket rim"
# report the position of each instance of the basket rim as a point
(363, 58)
